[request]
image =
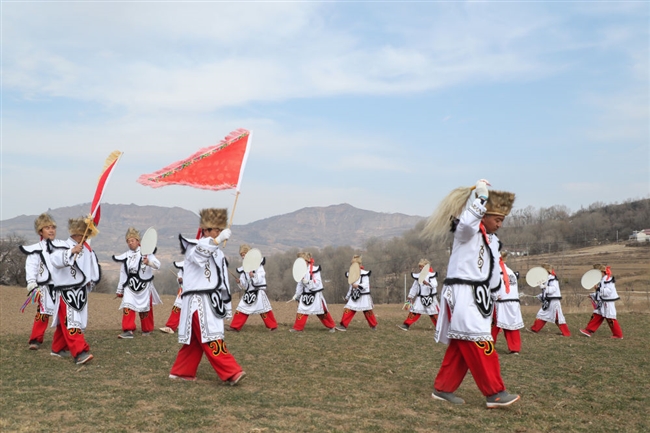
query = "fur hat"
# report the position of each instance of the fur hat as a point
(424, 262)
(213, 218)
(244, 248)
(504, 255)
(357, 259)
(548, 267)
(499, 203)
(82, 226)
(43, 220)
(305, 255)
(600, 267)
(132, 233)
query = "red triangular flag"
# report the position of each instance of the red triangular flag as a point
(216, 168)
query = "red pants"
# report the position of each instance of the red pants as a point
(189, 356)
(325, 318)
(39, 327)
(349, 314)
(513, 338)
(174, 318)
(146, 319)
(597, 320)
(414, 317)
(539, 324)
(477, 356)
(240, 319)
(68, 339)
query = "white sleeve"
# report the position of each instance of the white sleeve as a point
(153, 262)
(31, 267)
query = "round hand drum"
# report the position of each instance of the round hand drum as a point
(590, 279)
(536, 276)
(299, 269)
(354, 273)
(149, 242)
(252, 260)
(424, 273)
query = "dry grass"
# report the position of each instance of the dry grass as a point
(315, 381)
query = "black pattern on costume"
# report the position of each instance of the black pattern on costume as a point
(75, 298)
(307, 298)
(250, 297)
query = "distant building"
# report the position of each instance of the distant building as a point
(641, 235)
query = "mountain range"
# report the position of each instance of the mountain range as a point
(336, 225)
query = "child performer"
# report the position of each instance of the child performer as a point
(175, 316)
(507, 309)
(603, 301)
(359, 299)
(254, 300)
(205, 301)
(136, 286)
(551, 310)
(465, 302)
(309, 294)
(37, 273)
(75, 271)
(422, 297)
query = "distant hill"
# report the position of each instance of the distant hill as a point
(336, 225)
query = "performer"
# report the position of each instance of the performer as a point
(205, 302)
(358, 298)
(422, 298)
(507, 309)
(136, 287)
(466, 305)
(309, 294)
(75, 271)
(603, 301)
(37, 274)
(254, 300)
(175, 316)
(551, 310)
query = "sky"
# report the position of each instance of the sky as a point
(387, 106)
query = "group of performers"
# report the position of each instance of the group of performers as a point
(478, 300)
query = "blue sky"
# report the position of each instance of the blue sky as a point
(386, 106)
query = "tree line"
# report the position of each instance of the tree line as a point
(527, 231)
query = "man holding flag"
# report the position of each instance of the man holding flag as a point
(206, 291)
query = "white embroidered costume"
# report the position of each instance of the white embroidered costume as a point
(508, 308)
(472, 271)
(206, 290)
(254, 299)
(37, 270)
(72, 278)
(424, 300)
(136, 281)
(359, 298)
(551, 298)
(310, 294)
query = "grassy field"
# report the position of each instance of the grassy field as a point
(358, 381)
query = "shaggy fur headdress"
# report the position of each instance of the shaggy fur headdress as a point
(213, 218)
(43, 220)
(132, 233)
(548, 267)
(600, 267)
(424, 262)
(244, 248)
(357, 259)
(82, 226)
(438, 225)
(305, 255)
(499, 203)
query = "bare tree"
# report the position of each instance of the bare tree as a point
(12, 261)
